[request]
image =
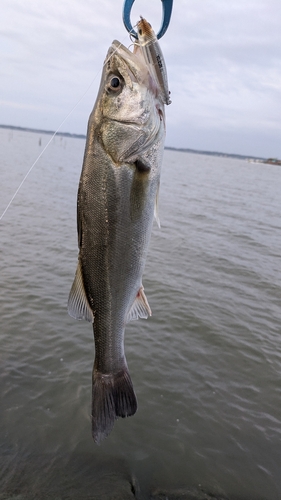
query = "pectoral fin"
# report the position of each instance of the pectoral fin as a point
(140, 307)
(78, 306)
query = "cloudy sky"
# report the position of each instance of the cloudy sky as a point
(223, 60)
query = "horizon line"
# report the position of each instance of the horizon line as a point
(181, 149)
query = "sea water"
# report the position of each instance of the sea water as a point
(206, 366)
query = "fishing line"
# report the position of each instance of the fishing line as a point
(57, 130)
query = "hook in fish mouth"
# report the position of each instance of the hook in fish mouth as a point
(144, 66)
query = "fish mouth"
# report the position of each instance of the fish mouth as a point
(126, 54)
(135, 63)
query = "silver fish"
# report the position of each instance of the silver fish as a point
(117, 196)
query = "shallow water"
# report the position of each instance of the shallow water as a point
(206, 366)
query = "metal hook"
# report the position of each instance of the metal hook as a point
(167, 6)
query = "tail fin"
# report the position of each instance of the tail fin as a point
(112, 396)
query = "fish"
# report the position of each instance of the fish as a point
(116, 204)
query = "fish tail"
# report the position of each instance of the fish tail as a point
(113, 396)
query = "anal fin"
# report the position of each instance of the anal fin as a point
(140, 307)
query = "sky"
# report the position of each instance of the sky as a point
(223, 60)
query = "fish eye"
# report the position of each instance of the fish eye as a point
(115, 83)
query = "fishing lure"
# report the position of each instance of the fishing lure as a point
(154, 57)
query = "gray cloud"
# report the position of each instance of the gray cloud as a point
(223, 60)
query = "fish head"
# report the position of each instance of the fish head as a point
(131, 116)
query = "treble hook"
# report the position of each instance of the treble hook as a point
(167, 6)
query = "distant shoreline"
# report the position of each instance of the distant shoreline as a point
(39, 131)
(216, 153)
(183, 150)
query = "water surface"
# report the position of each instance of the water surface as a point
(206, 366)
